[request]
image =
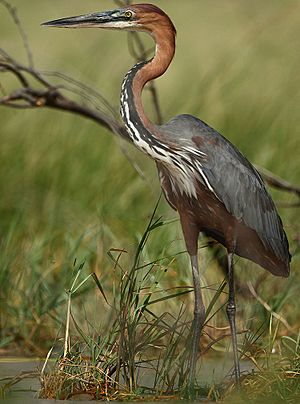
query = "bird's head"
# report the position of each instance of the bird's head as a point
(140, 17)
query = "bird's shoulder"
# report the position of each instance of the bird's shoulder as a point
(218, 152)
(185, 126)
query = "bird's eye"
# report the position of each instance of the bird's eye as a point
(128, 14)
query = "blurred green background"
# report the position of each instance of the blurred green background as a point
(68, 189)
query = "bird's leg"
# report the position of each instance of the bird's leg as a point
(199, 317)
(231, 309)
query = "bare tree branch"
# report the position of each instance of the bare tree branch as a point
(50, 96)
(276, 182)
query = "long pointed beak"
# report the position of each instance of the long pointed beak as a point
(82, 21)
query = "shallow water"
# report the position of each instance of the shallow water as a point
(26, 391)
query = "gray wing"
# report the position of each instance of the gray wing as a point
(234, 180)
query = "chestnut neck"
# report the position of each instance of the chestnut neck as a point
(165, 50)
(141, 74)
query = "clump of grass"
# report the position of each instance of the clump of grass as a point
(280, 380)
(143, 352)
(277, 378)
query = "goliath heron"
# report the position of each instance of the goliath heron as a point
(204, 177)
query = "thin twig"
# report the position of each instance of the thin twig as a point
(216, 340)
(86, 90)
(2, 89)
(268, 308)
(6, 67)
(67, 330)
(14, 15)
(123, 3)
